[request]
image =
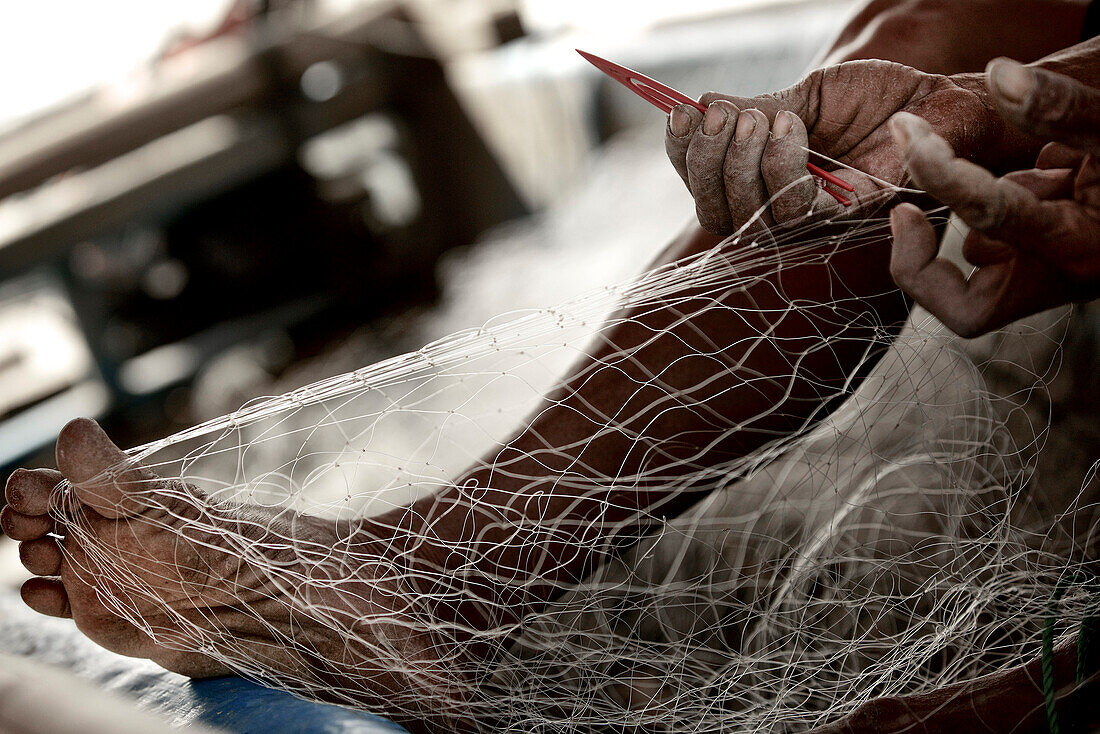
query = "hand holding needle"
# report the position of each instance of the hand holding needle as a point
(665, 98)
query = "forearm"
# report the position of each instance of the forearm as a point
(666, 393)
(957, 36)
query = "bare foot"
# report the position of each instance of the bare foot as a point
(149, 568)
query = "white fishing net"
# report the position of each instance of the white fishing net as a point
(885, 533)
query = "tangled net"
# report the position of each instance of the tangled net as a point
(892, 541)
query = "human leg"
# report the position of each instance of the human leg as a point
(954, 36)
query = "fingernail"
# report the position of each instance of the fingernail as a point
(746, 126)
(782, 125)
(714, 120)
(899, 131)
(1011, 80)
(679, 121)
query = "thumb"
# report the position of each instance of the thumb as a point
(1046, 104)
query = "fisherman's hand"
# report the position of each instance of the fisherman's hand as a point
(1035, 235)
(748, 154)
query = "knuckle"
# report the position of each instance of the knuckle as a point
(982, 214)
(969, 319)
(1059, 101)
(710, 221)
(983, 210)
(897, 272)
(966, 328)
(711, 97)
(734, 171)
(779, 165)
(902, 277)
(694, 159)
(674, 147)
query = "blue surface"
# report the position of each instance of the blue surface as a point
(241, 706)
(231, 704)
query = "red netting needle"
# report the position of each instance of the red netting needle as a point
(665, 98)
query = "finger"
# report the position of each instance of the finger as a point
(915, 245)
(682, 122)
(1049, 183)
(1000, 208)
(710, 98)
(792, 190)
(46, 596)
(42, 557)
(1086, 187)
(706, 157)
(1057, 155)
(746, 192)
(1046, 104)
(28, 491)
(18, 526)
(84, 456)
(983, 251)
(1070, 243)
(795, 99)
(935, 283)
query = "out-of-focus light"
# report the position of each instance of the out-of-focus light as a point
(158, 369)
(56, 49)
(165, 280)
(622, 17)
(393, 196)
(322, 81)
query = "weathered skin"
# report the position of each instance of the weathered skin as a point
(828, 116)
(186, 574)
(1034, 240)
(841, 111)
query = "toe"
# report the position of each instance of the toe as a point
(84, 456)
(46, 596)
(18, 526)
(28, 490)
(42, 557)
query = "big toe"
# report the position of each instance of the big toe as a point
(84, 456)
(84, 451)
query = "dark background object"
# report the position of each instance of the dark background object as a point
(197, 228)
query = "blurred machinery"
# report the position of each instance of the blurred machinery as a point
(284, 180)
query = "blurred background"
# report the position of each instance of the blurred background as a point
(208, 201)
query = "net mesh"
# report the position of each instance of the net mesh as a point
(891, 540)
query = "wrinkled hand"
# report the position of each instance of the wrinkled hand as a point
(1035, 234)
(748, 152)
